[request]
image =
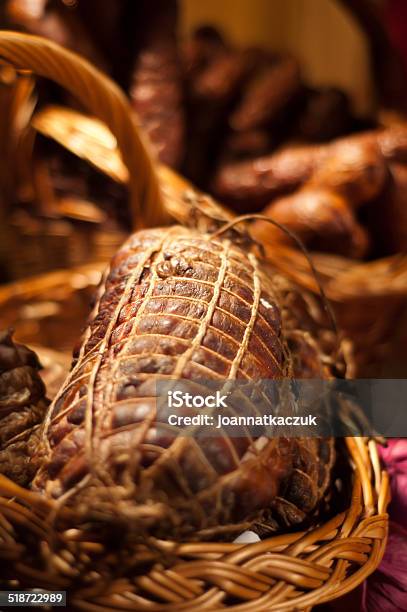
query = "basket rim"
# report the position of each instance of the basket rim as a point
(287, 571)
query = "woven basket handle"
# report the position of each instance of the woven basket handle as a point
(102, 98)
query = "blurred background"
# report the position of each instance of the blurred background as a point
(296, 109)
(310, 30)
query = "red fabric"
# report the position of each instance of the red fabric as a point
(386, 589)
(394, 456)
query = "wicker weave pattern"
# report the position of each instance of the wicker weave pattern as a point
(287, 572)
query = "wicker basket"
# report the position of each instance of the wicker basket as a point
(291, 571)
(51, 231)
(287, 572)
(367, 297)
